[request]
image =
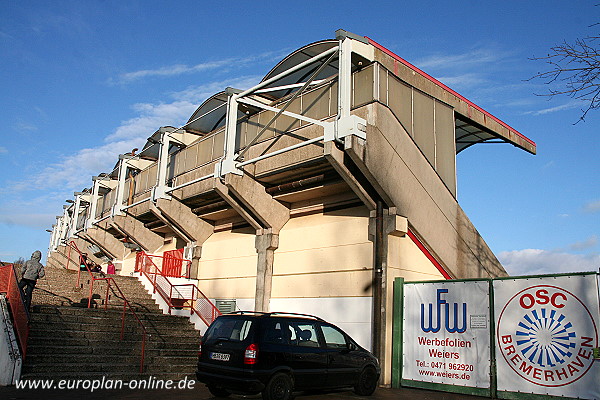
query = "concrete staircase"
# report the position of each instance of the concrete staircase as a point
(70, 341)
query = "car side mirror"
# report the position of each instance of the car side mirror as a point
(352, 347)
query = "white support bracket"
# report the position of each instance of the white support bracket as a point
(228, 163)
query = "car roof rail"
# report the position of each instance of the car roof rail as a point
(241, 312)
(295, 314)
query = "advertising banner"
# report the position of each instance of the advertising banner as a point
(446, 337)
(546, 332)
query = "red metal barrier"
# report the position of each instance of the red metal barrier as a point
(9, 284)
(176, 296)
(172, 263)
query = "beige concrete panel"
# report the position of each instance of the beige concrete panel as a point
(128, 265)
(337, 228)
(445, 145)
(228, 288)
(204, 149)
(228, 254)
(263, 119)
(334, 284)
(409, 261)
(362, 85)
(332, 258)
(218, 144)
(315, 104)
(285, 123)
(400, 101)
(424, 133)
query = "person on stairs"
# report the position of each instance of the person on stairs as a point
(31, 271)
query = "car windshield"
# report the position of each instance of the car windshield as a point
(230, 329)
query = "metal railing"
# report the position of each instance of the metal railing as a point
(171, 264)
(179, 296)
(119, 293)
(9, 284)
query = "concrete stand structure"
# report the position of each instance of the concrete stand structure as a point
(310, 192)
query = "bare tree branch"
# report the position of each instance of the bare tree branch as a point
(575, 69)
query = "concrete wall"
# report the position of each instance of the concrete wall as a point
(324, 255)
(227, 268)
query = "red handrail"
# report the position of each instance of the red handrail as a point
(109, 281)
(9, 285)
(192, 298)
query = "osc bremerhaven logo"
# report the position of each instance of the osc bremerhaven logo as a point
(547, 335)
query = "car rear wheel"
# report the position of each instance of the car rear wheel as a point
(367, 382)
(279, 388)
(217, 391)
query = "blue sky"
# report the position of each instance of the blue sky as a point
(82, 81)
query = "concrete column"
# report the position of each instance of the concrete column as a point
(266, 244)
(393, 225)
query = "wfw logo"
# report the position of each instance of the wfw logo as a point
(451, 318)
(546, 334)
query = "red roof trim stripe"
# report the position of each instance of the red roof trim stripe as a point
(430, 256)
(432, 79)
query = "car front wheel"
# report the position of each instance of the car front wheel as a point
(367, 382)
(279, 388)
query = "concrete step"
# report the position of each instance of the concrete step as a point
(51, 351)
(96, 312)
(171, 320)
(133, 374)
(129, 341)
(38, 359)
(73, 329)
(115, 367)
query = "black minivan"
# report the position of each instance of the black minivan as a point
(277, 353)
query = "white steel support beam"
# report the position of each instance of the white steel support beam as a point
(94, 200)
(346, 124)
(160, 190)
(227, 164)
(75, 217)
(64, 227)
(118, 207)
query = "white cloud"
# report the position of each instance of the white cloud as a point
(536, 261)
(470, 58)
(150, 118)
(592, 207)
(3, 150)
(589, 243)
(462, 81)
(31, 220)
(568, 106)
(180, 69)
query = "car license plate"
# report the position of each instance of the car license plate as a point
(219, 356)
